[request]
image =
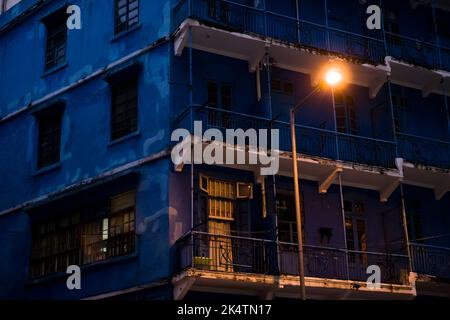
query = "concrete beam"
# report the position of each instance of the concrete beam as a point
(181, 42)
(430, 87)
(266, 295)
(375, 86)
(255, 59)
(326, 182)
(386, 192)
(441, 189)
(181, 288)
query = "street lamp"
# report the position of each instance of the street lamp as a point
(333, 77)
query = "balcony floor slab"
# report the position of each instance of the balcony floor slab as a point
(286, 286)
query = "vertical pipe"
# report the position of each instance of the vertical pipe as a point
(405, 228)
(258, 83)
(437, 40)
(297, 7)
(274, 191)
(191, 77)
(341, 195)
(447, 111)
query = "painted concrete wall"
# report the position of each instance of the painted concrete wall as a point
(86, 148)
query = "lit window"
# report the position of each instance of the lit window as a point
(81, 239)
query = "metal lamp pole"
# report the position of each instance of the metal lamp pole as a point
(298, 213)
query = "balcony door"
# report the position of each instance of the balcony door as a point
(345, 109)
(219, 98)
(355, 231)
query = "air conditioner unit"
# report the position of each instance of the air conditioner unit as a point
(244, 190)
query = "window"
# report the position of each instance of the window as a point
(221, 198)
(49, 137)
(79, 238)
(414, 217)
(220, 96)
(345, 113)
(124, 113)
(56, 40)
(127, 15)
(287, 221)
(282, 87)
(400, 105)
(355, 230)
(443, 28)
(391, 21)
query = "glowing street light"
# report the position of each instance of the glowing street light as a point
(334, 76)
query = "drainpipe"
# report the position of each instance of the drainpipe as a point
(191, 77)
(447, 111)
(341, 194)
(258, 83)
(297, 7)
(405, 228)
(438, 40)
(274, 189)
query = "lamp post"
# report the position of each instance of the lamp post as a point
(332, 78)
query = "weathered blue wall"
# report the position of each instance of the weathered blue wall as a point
(86, 150)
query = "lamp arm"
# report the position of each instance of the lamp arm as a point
(301, 102)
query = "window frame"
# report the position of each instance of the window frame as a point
(53, 112)
(52, 232)
(118, 23)
(133, 81)
(56, 20)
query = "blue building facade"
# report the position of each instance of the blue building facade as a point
(86, 118)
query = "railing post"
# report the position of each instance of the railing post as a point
(190, 7)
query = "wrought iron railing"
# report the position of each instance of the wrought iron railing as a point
(310, 141)
(237, 17)
(413, 51)
(333, 263)
(224, 253)
(424, 151)
(241, 18)
(430, 260)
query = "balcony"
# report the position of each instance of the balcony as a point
(215, 260)
(431, 260)
(311, 141)
(424, 151)
(244, 19)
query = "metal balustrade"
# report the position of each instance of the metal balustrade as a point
(310, 141)
(333, 263)
(430, 260)
(241, 18)
(225, 253)
(413, 51)
(424, 151)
